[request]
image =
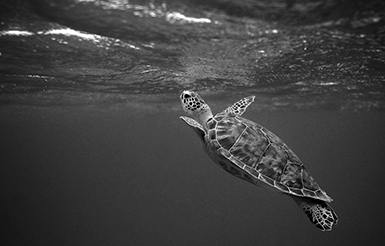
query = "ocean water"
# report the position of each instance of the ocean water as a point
(93, 152)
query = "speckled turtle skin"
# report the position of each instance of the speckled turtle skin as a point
(251, 152)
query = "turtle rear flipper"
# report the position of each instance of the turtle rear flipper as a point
(320, 213)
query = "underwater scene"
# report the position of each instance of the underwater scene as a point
(93, 151)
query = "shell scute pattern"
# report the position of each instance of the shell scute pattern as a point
(308, 193)
(322, 195)
(297, 192)
(308, 181)
(243, 157)
(236, 161)
(250, 146)
(228, 132)
(212, 123)
(281, 187)
(262, 154)
(272, 137)
(212, 135)
(291, 176)
(257, 176)
(268, 180)
(290, 155)
(272, 163)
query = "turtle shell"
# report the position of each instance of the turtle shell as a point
(251, 152)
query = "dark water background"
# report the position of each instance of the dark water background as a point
(93, 152)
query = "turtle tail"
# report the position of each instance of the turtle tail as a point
(320, 213)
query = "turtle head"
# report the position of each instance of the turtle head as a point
(195, 106)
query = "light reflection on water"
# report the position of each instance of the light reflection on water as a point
(150, 10)
(125, 48)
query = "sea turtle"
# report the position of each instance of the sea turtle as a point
(251, 152)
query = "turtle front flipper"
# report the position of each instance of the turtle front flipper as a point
(239, 107)
(198, 129)
(320, 213)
